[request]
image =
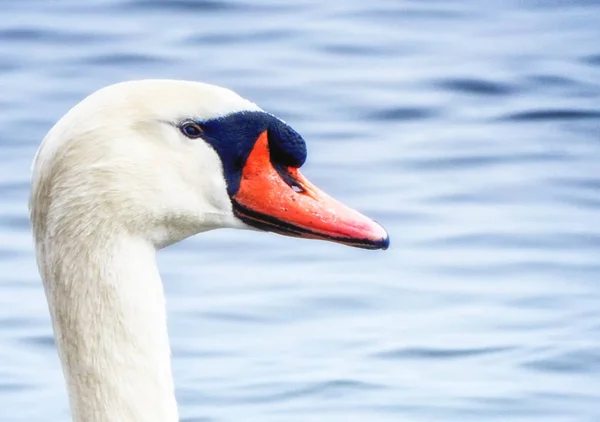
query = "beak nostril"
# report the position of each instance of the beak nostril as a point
(298, 189)
(290, 180)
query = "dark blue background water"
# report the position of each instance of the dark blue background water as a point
(470, 129)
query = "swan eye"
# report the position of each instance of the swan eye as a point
(191, 130)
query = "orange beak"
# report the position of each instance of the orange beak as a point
(283, 201)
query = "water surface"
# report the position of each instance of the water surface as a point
(470, 131)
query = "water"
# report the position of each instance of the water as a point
(470, 131)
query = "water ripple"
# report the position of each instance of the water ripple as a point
(551, 114)
(435, 354)
(125, 59)
(593, 59)
(12, 387)
(44, 341)
(582, 361)
(277, 393)
(476, 86)
(401, 114)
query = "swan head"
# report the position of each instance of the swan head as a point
(167, 159)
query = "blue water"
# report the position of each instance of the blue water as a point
(469, 129)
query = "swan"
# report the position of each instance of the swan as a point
(132, 168)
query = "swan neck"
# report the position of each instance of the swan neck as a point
(109, 319)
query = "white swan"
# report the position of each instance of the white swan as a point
(132, 168)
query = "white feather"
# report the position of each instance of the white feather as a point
(113, 181)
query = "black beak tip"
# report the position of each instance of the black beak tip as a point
(385, 243)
